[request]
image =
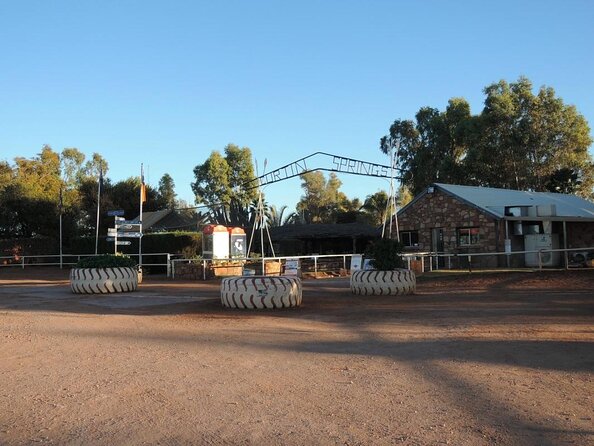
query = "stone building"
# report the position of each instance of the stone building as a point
(463, 220)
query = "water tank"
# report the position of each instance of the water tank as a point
(536, 242)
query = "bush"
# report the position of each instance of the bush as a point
(386, 254)
(106, 261)
(187, 244)
(29, 246)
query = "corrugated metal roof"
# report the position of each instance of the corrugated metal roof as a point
(166, 219)
(495, 200)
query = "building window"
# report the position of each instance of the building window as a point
(409, 238)
(468, 236)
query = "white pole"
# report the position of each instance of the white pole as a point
(261, 211)
(395, 210)
(391, 199)
(140, 217)
(61, 207)
(388, 215)
(98, 201)
(115, 237)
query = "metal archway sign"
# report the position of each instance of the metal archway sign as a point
(337, 163)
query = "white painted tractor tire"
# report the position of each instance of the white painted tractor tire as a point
(103, 280)
(260, 292)
(383, 283)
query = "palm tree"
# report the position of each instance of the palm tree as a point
(375, 206)
(275, 216)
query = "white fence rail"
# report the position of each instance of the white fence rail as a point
(430, 261)
(567, 258)
(72, 259)
(319, 263)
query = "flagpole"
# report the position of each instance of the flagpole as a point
(142, 194)
(98, 201)
(61, 210)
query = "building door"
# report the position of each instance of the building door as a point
(437, 246)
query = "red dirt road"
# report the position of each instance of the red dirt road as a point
(499, 359)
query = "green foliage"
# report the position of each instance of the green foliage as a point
(106, 261)
(30, 192)
(220, 185)
(322, 199)
(520, 140)
(29, 246)
(386, 254)
(276, 216)
(375, 206)
(167, 192)
(187, 244)
(404, 196)
(564, 181)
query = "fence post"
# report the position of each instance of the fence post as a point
(203, 269)
(540, 259)
(423, 264)
(566, 259)
(344, 262)
(408, 262)
(469, 263)
(449, 262)
(169, 265)
(23, 262)
(316, 266)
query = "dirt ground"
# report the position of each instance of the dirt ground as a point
(482, 359)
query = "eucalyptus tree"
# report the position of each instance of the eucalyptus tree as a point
(220, 184)
(167, 192)
(520, 140)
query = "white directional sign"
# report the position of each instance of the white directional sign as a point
(130, 234)
(129, 222)
(123, 243)
(112, 231)
(110, 239)
(129, 227)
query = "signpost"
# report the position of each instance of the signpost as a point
(129, 234)
(129, 222)
(130, 227)
(122, 229)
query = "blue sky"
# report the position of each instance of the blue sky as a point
(165, 83)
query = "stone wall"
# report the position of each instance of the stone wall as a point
(441, 210)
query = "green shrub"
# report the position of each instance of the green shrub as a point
(187, 244)
(106, 261)
(386, 254)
